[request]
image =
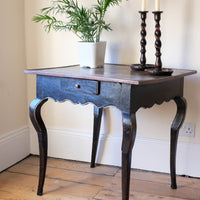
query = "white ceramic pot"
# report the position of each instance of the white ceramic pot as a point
(91, 54)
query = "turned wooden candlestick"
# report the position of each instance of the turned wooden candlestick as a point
(143, 41)
(158, 43)
(142, 65)
(158, 70)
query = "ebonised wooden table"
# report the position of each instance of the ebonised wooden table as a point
(113, 85)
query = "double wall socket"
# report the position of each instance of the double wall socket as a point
(187, 130)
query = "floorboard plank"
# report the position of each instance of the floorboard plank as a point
(74, 165)
(69, 180)
(23, 187)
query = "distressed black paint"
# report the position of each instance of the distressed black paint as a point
(122, 88)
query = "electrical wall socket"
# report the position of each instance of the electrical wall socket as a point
(187, 130)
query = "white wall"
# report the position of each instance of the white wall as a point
(14, 135)
(12, 58)
(180, 37)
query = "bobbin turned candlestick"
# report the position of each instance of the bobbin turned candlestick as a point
(158, 44)
(158, 64)
(142, 66)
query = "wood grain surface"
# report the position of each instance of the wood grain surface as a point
(110, 73)
(68, 180)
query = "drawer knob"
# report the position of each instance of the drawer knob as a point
(77, 86)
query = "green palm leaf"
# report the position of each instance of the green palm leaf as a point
(86, 23)
(108, 3)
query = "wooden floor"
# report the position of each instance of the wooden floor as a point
(67, 180)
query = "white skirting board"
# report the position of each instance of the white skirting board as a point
(14, 146)
(148, 154)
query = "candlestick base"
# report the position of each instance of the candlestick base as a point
(160, 72)
(139, 67)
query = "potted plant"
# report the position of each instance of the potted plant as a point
(86, 23)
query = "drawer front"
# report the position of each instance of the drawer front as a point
(80, 86)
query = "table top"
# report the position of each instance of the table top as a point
(110, 73)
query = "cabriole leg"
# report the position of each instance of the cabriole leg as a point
(176, 125)
(35, 116)
(129, 134)
(96, 131)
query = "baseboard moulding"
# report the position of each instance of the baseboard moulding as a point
(148, 153)
(14, 146)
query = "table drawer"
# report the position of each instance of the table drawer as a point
(80, 86)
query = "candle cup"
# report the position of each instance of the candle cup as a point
(158, 70)
(142, 66)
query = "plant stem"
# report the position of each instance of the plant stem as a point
(99, 28)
